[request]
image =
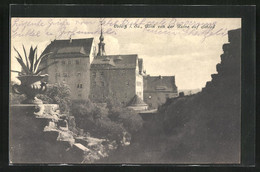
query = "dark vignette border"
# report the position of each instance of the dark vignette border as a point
(247, 13)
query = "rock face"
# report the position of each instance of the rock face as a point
(40, 134)
(208, 124)
(34, 134)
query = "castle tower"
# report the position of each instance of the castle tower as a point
(101, 44)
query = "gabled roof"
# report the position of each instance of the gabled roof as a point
(70, 48)
(115, 61)
(137, 101)
(159, 83)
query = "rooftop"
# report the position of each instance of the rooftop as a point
(115, 61)
(159, 83)
(70, 48)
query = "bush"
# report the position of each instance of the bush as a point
(93, 118)
(112, 121)
(131, 121)
(15, 98)
(58, 93)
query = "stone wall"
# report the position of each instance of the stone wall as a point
(117, 84)
(73, 71)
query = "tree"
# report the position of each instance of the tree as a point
(131, 121)
(58, 93)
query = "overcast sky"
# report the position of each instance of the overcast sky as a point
(188, 48)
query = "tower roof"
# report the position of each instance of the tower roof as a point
(101, 38)
(137, 101)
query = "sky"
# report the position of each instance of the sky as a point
(187, 48)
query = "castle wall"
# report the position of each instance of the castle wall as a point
(74, 72)
(116, 84)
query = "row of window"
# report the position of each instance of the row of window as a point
(66, 74)
(102, 73)
(103, 83)
(64, 62)
(114, 95)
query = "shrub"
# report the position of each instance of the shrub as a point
(58, 93)
(15, 98)
(131, 121)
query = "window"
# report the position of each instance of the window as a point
(63, 62)
(78, 74)
(77, 62)
(101, 73)
(93, 95)
(65, 74)
(79, 95)
(127, 83)
(79, 86)
(94, 83)
(94, 74)
(102, 84)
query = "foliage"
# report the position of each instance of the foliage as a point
(32, 62)
(13, 97)
(131, 121)
(109, 121)
(58, 93)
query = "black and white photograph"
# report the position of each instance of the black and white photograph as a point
(125, 90)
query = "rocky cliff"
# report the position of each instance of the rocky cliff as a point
(40, 134)
(201, 128)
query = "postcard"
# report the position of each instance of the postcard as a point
(125, 90)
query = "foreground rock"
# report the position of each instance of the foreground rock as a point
(40, 134)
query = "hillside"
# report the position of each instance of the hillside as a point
(200, 128)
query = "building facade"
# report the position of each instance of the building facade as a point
(73, 58)
(100, 77)
(158, 88)
(115, 77)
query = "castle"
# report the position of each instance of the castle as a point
(100, 77)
